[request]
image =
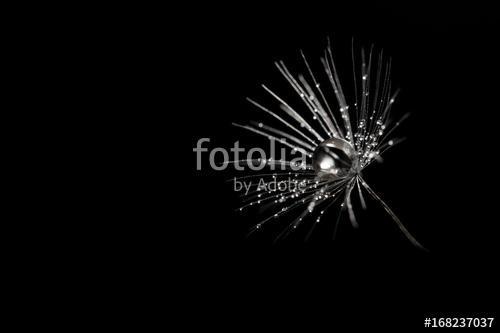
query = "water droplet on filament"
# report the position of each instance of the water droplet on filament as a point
(335, 159)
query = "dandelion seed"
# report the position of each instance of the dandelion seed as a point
(341, 145)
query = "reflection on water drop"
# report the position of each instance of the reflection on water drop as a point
(335, 158)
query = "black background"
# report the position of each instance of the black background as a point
(441, 181)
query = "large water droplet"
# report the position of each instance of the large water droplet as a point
(335, 158)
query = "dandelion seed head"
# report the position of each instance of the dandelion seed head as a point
(340, 145)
